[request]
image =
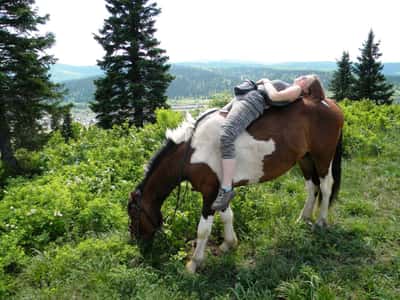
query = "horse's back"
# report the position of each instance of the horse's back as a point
(273, 143)
(299, 123)
(300, 128)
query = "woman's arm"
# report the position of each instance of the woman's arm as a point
(289, 94)
(227, 107)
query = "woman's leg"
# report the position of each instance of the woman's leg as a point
(239, 117)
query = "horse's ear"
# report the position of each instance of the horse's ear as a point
(315, 90)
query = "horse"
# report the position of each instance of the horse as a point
(306, 132)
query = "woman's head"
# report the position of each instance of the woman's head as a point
(311, 86)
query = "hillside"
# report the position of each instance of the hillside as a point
(195, 81)
(64, 231)
(204, 79)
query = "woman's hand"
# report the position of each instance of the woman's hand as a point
(223, 112)
(263, 80)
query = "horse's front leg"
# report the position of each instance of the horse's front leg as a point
(230, 239)
(203, 232)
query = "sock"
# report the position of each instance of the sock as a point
(227, 188)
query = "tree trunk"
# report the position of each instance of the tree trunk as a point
(138, 115)
(7, 153)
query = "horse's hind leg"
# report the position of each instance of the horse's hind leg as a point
(230, 239)
(312, 186)
(326, 190)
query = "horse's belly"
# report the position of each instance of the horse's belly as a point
(249, 152)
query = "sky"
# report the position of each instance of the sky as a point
(253, 30)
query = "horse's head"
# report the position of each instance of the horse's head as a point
(143, 223)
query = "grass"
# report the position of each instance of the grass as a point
(357, 257)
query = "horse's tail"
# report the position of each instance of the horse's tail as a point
(336, 170)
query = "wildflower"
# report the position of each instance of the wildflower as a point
(31, 212)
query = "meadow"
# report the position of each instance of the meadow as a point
(64, 226)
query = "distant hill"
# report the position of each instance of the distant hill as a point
(191, 82)
(203, 79)
(316, 66)
(61, 72)
(390, 68)
(80, 90)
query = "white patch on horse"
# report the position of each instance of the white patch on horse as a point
(230, 239)
(326, 190)
(203, 232)
(249, 152)
(309, 205)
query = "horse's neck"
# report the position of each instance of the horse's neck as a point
(166, 176)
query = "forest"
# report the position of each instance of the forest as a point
(202, 80)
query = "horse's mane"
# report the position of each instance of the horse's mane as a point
(174, 137)
(155, 161)
(183, 132)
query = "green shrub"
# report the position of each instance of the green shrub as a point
(167, 118)
(369, 129)
(30, 161)
(220, 100)
(12, 261)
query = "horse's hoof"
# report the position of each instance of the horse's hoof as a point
(228, 245)
(321, 223)
(225, 247)
(191, 267)
(305, 220)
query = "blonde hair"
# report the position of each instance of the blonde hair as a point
(315, 90)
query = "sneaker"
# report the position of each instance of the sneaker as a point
(223, 199)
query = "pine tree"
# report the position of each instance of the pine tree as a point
(371, 83)
(136, 73)
(66, 128)
(26, 92)
(342, 83)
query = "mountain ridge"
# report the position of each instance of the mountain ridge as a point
(204, 79)
(64, 72)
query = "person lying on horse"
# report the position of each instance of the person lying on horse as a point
(244, 109)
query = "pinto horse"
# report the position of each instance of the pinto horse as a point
(306, 132)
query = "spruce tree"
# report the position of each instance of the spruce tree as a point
(66, 128)
(136, 73)
(26, 92)
(371, 83)
(342, 83)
